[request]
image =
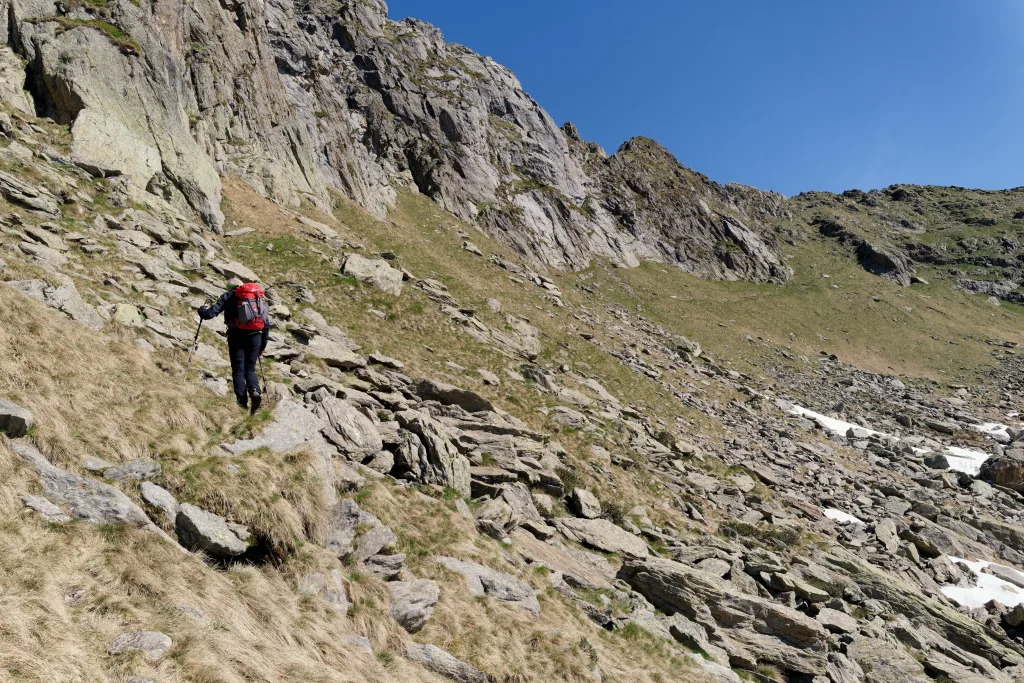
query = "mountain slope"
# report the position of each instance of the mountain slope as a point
(782, 446)
(299, 100)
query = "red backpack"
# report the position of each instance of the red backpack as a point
(252, 308)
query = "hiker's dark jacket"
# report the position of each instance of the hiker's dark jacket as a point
(228, 304)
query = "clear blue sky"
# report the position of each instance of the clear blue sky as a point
(788, 95)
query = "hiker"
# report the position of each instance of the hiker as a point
(248, 323)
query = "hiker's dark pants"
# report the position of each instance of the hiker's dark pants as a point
(244, 349)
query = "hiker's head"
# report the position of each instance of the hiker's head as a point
(234, 282)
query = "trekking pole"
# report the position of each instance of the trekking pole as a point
(195, 345)
(264, 375)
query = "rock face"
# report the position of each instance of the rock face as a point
(777, 633)
(297, 99)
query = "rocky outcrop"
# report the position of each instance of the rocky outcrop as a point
(297, 100)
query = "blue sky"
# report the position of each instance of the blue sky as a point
(787, 95)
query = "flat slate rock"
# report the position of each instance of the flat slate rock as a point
(49, 511)
(440, 662)
(433, 390)
(85, 498)
(484, 581)
(602, 535)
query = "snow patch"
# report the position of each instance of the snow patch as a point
(989, 588)
(826, 422)
(842, 517)
(960, 459)
(992, 429)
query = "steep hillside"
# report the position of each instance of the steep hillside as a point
(730, 436)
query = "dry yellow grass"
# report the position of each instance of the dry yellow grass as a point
(70, 589)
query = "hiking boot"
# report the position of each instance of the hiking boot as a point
(257, 403)
(243, 402)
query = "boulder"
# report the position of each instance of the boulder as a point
(584, 504)
(152, 644)
(887, 534)
(15, 421)
(374, 272)
(438, 661)
(212, 534)
(412, 602)
(433, 390)
(160, 499)
(884, 662)
(230, 269)
(602, 535)
(1003, 471)
(350, 430)
(836, 621)
(135, 470)
(579, 568)
(430, 454)
(336, 355)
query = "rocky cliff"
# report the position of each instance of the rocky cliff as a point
(302, 99)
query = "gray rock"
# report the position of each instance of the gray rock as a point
(212, 534)
(440, 662)
(152, 644)
(430, 454)
(412, 602)
(160, 499)
(294, 428)
(50, 512)
(356, 535)
(836, 621)
(602, 535)
(329, 586)
(674, 587)
(433, 390)
(884, 662)
(350, 430)
(85, 498)
(230, 269)
(887, 534)
(29, 196)
(375, 272)
(336, 355)
(584, 504)
(136, 470)
(362, 642)
(15, 421)
(387, 567)
(483, 581)
(936, 461)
